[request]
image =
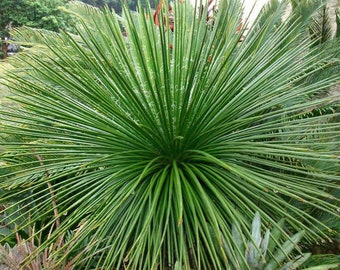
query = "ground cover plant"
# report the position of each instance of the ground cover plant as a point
(158, 144)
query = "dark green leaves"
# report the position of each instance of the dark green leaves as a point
(154, 142)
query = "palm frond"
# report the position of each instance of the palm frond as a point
(321, 27)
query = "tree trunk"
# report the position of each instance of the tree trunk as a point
(4, 49)
(332, 6)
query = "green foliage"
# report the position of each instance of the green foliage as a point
(9, 12)
(266, 252)
(12, 218)
(37, 13)
(47, 15)
(320, 26)
(25, 254)
(269, 9)
(305, 10)
(117, 4)
(156, 142)
(322, 262)
(315, 13)
(33, 13)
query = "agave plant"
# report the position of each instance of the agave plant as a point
(258, 248)
(157, 140)
(267, 251)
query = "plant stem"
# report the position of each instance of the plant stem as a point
(51, 190)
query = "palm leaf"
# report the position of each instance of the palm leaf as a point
(157, 141)
(321, 27)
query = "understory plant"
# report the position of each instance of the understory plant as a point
(26, 254)
(260, 247)
(265, 250)
(156, 139)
